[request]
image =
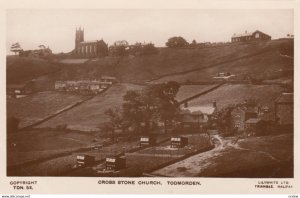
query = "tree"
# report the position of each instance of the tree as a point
(193, 43)
(155, 103)
(116, 121)
(176, 42)
(16, 48)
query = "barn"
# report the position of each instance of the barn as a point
(250, 36)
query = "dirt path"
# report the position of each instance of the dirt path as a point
(218, 160)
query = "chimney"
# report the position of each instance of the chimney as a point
(186, 105)
(215, 104)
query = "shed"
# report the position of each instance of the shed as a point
(85, 160)
(147, 140)
(115, 163)
(179, 142)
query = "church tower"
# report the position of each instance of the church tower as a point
(79, 38)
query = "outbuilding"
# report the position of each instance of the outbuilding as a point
(147, 140)
(85, 160)
(115, 163)
(179, 142)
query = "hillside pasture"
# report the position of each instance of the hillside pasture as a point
(186, 91)
(236, 93)
(38, 106)
(90, 115)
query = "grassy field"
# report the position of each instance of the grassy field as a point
(61, 165)
(90, 115)
(237, 93)
(37, 106)
(36, 144)
(186, 91)
(247, 154)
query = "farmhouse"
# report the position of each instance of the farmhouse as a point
(89, 49)
(250, 36)
(194, 118)
(284, 109)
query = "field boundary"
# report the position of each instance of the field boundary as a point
(200, 94)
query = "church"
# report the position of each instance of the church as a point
(89, 49)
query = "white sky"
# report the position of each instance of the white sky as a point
(56, 28)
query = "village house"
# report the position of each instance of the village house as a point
(250, 36)
(240, 115)
(284, 109)
(195, 118)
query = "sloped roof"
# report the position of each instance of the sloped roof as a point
(199, 110)
(285, 98)
(86, 42)
(253, 120)
(242, 35)
(247, 34)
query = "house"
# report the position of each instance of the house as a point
(284, 109)
(240, 115)
(179, 142)
(85, 160)
(115, 163)
(194, 118)
(250, 36)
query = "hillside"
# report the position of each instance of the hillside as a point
(264, 60)
(22, 69)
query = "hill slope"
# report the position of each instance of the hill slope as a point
(267, 60)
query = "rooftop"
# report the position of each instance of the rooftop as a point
(253, 120)
(199, 110)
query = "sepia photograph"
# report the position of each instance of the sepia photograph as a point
(180, 93)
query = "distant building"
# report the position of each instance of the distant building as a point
(284, 109)
(250, 36)
(89, 49)
(42, 51)
(19, 90)
(85, 86)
